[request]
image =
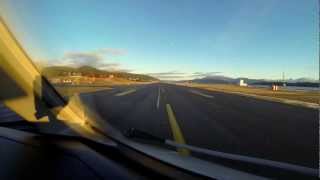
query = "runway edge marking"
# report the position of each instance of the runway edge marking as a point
(126, 92)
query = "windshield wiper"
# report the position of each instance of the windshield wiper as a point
(133, 133)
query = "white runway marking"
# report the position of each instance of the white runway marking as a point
(125, 92)
(158, 100)
(201, 94)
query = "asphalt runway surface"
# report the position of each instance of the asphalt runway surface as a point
(215, 120)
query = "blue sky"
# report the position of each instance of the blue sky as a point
(172, 39)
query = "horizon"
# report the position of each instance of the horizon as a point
(172, 40)
(194, 78)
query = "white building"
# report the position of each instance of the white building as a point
(242, 83)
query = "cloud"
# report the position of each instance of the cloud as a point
(101, 58)
(168, 75)
(204, 74)
(82, 58)
(112, 51)
(171, 77)
(177, 75)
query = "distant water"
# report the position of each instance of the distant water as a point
(290, 88)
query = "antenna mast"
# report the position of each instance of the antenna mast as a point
(283, 79)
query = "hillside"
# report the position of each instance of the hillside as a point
(61, 71)
(227, 80)
(214, 80)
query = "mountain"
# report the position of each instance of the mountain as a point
(250, 81)
(56, 71)
(214, 80)
(227, 80)
(302, 80)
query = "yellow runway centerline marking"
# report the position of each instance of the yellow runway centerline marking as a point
(201, 94)
(126, 92)
(176, 131)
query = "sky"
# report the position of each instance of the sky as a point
(172, 39)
